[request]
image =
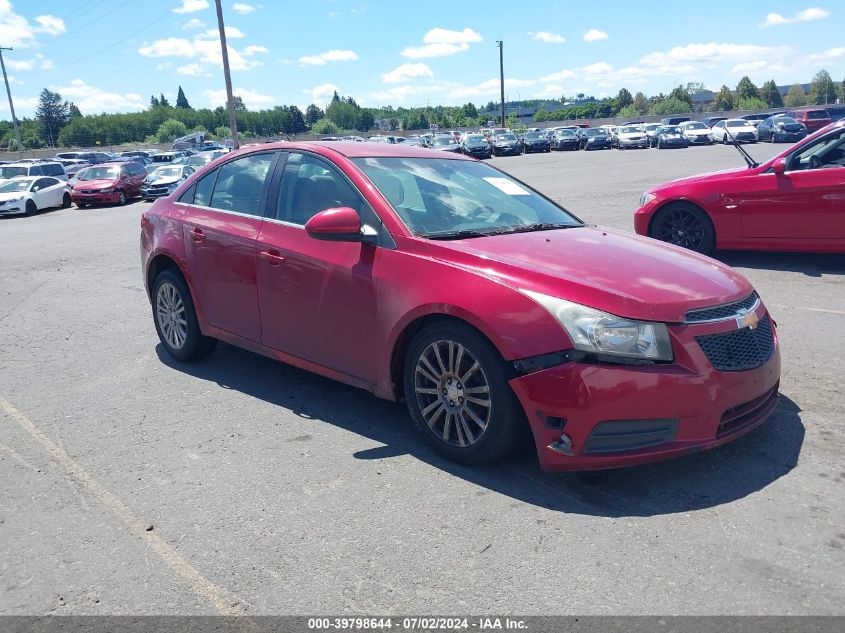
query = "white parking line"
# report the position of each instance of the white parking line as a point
(842, 312)
(171, 557)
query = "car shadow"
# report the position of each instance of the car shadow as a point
(692, 482)
(810, 264)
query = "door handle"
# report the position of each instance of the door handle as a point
(271, 257)
(198, 235)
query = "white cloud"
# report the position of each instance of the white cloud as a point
(243, 8)
(714, 52)
(548, 38)
(193, 23)
(91, 99)
(323, 93)
(22, 104)
(252, 99)
(489, 87)
(829, 54)
(442, 42)
(193, 70)
(47, 64)
(550, 91)
(406, 72)
(50, 24)
(232, 33)
(807, 15)
(594, 35)
(190, 6)
(559, 76)
(334, 55)
(445, 36)
(599, 68)
(205, 49)
(749, 67)
(39, 61)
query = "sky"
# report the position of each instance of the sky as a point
(111, 55)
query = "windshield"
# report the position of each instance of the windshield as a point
(629, 129)
(475, 138)
(168, 172)
(696, 126)
(505, 137)
(444, 140)
(564, 133)
(787, 120)
(651, 127)
(737, 123)
(595, 132)
(669, 130)
(533, 136)
(450, 198)
(15, 185)
(11, 172)
(100, 173)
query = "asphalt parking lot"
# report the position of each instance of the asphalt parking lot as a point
(130, 484)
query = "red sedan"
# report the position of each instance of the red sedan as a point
(793, 202)
(437, 279)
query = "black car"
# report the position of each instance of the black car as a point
(758, 117)
(565, 139)
(674, 120)
(535, 142)
(667, 136)
(506, 143)
(477, 146)
(781, 129)
(713, 120)
(445, 143)
(593, 138)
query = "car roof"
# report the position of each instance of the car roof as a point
(352, 149)
(21, 178)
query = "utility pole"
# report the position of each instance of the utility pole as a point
(9, 92)
(233, 121)
(499, 43)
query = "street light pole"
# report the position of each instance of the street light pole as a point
(499, 43)
(230, 99)
(9, 92)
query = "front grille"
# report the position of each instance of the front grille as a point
(748, 413)
(717, 313)
(739, 350)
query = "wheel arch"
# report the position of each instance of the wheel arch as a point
(683, 201)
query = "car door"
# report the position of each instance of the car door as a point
(719, 131)
(807, 201)
(223, 216)
(50, 192)
(317, 298)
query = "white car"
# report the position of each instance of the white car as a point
(27, 195)
(739, 129)
(37, 168)
(696, 133)
(630, 136)
(649, 129)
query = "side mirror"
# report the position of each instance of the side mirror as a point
(341, 224)
(779, 166)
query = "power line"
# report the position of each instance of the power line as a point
(100, 17)
(120, 41)
(82, 10)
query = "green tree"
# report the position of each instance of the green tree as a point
(795, 97)
(182, 100)
(696, 87)
(771, 95)
(325, 126)
(366, 120)
(313, 114)
(640, 103)
(154, 103)
(72, 110)
(752, 103)
(822, 89)
(624, 99)
(669, 105)
(345, 115)
(470, 111)
(163, 102)
(629, 112)
(239, 104)
(222, 131)
(723, 101)
(682, 94)
(297, 120)
(170, 130)
(746, 88)
(53, 113)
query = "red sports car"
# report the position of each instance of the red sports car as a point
(793, 202)
(437, 279)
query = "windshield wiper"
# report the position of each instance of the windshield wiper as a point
(539, 226)
(745, 155)
(456, 235)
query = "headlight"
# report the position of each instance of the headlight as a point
(598, 332)
(18, 199)
(106, 191)
(646, 198)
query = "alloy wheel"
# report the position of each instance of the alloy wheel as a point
(452, 393)
(682, 228)
(171, 316)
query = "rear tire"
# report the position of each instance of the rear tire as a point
(176, 319)
(456, 387)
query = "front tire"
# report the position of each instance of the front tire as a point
(176, 319)
(66, 201)
(685, 225)
(121, 198)
(456, 387)
(30, 208)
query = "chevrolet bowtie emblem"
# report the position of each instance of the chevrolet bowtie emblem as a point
(747, 320)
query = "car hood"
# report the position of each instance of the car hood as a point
(630, 134)
(169, 180)
(607, 269)
(94, 184)
(697, 132)
(11, 195)
(712, 176)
